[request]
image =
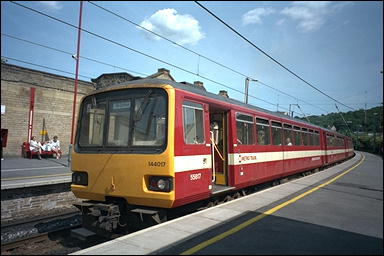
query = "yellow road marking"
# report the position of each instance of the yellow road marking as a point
(34, 177)
(262, 215)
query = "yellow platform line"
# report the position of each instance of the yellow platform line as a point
(264, 214)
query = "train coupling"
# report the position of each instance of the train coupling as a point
(100, 217)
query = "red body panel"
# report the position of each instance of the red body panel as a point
(291, 159)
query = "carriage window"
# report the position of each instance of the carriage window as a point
(311, 137)
(262, 127)
(297, 135)
(193, 122)
(317, 138)
(288, 135)
(339, 141)
(276, 133)
(305, 136)
(244, 129)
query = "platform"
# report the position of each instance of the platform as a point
(177, 236)
(24, 172)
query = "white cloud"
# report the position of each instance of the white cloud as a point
(53, 5)
(280, 22)
(254, 16)
(311, 15)
(184, 29)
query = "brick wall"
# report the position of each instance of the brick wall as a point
(53, 102)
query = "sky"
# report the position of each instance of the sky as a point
(337, 47)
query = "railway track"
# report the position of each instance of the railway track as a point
(24, 237)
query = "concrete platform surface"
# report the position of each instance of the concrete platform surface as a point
(24, 172)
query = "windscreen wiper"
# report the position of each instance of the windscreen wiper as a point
(143, 106)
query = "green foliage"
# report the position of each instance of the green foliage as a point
(366, 130)
(355, 120)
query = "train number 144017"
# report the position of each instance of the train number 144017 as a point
(156, 164)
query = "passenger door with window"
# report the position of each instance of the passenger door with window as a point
(192, 162)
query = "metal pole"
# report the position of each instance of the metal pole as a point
(246, 90)
(77, 71)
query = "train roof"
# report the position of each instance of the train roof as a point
(197, 90)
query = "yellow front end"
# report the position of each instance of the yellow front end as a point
(126, 175)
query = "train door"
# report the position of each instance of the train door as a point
(219, 141)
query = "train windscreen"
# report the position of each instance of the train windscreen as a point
(129, 120)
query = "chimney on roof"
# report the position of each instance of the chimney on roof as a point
(163, 70)
(198, 83)
(223, 93)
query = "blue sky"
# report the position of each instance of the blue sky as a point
(335, 46)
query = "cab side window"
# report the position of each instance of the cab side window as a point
(193, 123)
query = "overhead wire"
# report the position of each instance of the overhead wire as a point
(42, 66)
(137, 51)
(343, 119)
(196, 53)
(69, 53)
(167, 39)
(269, 56)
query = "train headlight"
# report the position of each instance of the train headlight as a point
(158, 183)
(80, 178)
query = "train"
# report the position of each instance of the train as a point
(146, 147)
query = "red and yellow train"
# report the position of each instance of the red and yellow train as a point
(148, 146)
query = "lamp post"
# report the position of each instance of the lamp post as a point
(291, 112)
(246, 88)
(358, 131)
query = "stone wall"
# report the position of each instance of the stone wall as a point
(30, 202)
(53, 102)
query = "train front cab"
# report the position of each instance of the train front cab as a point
(123, 156)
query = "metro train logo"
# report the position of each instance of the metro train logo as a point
(247, 158)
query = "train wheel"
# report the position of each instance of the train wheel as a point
(228, 198)
(236, 195)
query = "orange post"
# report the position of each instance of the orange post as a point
(31, 111)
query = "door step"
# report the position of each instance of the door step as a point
(219, 189)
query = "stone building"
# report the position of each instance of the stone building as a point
(53, 103)
(106, 80)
